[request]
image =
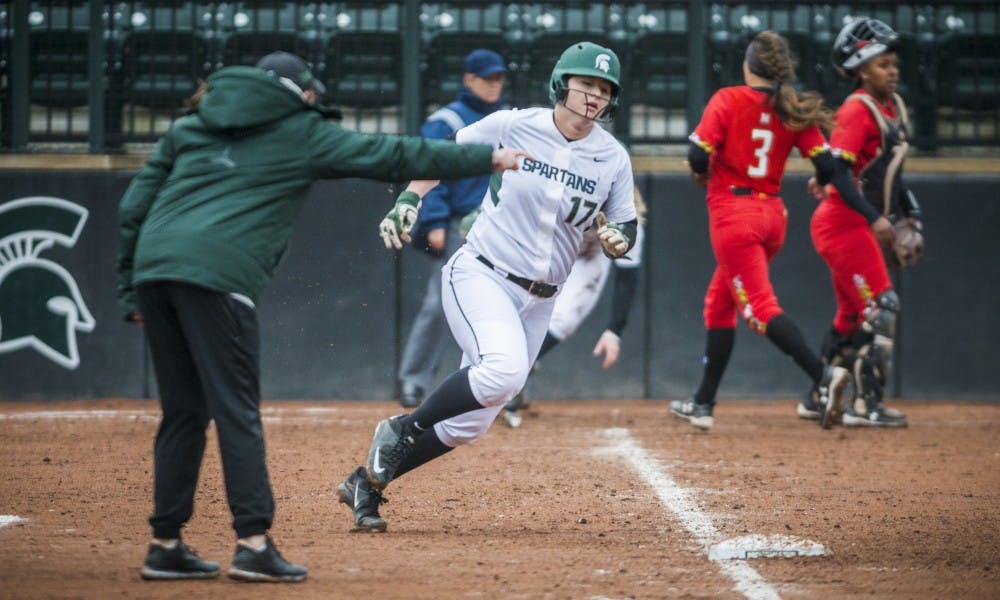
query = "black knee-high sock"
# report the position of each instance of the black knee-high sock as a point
(718, 347)
(452, 398)
(548, 343)
(783, 333)
(427, 448)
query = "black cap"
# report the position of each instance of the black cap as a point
(293, 68)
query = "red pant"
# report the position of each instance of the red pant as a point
(746, 232)
(844, 240)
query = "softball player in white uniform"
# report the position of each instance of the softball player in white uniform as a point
(498, 289)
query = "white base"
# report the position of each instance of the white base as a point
(764, 546)
(6, 520)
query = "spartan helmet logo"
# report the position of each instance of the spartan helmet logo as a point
(40, 304)
(602, 62)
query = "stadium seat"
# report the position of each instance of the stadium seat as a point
(59, 67)
(162, 68)
(259, 28)
(658, 68)
(364, 69)
(969, 72)
(59, 46)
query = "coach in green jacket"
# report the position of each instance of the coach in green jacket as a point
(202, 228)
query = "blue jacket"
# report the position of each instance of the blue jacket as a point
(455, 197)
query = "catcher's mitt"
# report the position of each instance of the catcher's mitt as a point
(908, 247)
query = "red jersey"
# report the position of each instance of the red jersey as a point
(748, 144)
(856, 137)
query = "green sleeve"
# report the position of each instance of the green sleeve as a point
(340, 153)
(132, 211)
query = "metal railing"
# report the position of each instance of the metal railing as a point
(108, 74)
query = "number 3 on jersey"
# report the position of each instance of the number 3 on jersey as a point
(765, 138)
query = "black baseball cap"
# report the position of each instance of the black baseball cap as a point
(293, 68)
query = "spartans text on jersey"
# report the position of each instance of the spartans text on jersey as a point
(577, 182)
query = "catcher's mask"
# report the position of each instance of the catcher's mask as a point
(859, 41)
(590, 60)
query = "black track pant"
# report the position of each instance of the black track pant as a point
(206, 352)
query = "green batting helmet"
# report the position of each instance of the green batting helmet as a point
(588, 59)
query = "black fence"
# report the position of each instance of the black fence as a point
(337, 312)
(112, 73)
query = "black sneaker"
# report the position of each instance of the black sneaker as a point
(390, 447)
(179, 562)
(511, 418)
(519, 402)
(266, 565)
(363, 499)
(859, 415)
(412, 395)
(810, 408)
(699, 415)
(833, 393)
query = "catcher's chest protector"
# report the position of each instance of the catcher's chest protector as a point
(881, 181)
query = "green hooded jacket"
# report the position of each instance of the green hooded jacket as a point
(216, 202)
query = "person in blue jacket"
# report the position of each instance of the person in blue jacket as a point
(437, 229)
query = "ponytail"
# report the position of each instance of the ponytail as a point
(797, 110)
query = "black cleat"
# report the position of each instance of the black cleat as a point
(699, 415)
(412, 395)
(390, 447)
(859, 415)
(179, 562)
(363, 499)
(265, 565)
(810, 408)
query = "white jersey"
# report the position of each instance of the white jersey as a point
(533, 219)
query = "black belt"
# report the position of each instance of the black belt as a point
(535, 288)
(745, 191)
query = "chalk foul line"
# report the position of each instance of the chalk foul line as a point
(680, 501)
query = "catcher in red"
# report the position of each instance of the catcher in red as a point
(857, 241)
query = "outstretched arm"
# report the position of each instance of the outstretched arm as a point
(836, 172)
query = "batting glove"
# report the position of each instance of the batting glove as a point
(395, 227)
(614, 242)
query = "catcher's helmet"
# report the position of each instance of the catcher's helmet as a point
(859, 41)
(587, 59)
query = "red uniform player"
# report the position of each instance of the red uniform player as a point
(870, 141)
(739, 150)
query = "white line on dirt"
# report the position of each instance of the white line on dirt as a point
(268, 415)
(679, 500)
(6, 520)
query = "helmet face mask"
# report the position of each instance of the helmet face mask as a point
(588, 60)
(859, 41)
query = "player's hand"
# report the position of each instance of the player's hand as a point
(613, 239)
(818, 191)
(400, 220)
(436, 239)
(135, 317)
(507, 158)
(884, 233)
(700, 179)
(609, 345)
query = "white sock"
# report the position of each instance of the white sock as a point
(255, 542)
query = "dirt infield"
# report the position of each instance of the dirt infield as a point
(587, 500)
